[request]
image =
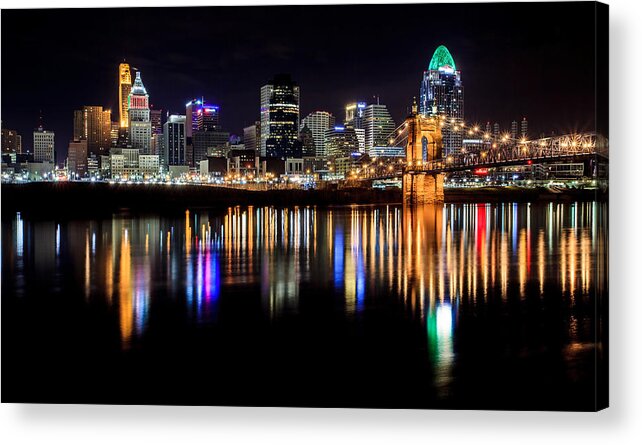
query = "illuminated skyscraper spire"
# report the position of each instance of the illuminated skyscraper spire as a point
(442, 94)
(124, 88)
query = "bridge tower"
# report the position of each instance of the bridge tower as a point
(424, 145)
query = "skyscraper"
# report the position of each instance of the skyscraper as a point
(140, 125)
(308, 146)
(513, 130)
(124, 88)
(174, 141)
(378, 126)
(43, 145)
(354, 114)
(77, 158)
(319, 122)
(10, 141)
(442, 94)
(93, 124)
(341, 142)
(252, 136)
(280, 118)
(524, 128)
(156, 118)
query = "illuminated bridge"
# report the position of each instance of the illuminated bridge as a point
(425, 165)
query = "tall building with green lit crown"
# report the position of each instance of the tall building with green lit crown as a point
(442, 94)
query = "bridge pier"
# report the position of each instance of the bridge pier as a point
(423, 188)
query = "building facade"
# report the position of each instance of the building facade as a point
(77, 159)
(378, 126)
(93, 124)
(341, 141)
(442, 94)
(43, 145)
(252, 136)
(140, 125)
(174, 141)
(354, 114)
(11, 141)
(319, 122)
(280, 118)
(124, 88)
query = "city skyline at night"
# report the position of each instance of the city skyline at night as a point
(524, 78)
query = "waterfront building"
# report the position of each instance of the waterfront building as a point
(148, 165)
(124, 88)
(319, 122)
(354, 114)
(442, 94)
(378, 126)
(43, 145)
(174, 143)
(140, 125)
(77, 158)
(252, 136)
(280, 118)
(93, 124)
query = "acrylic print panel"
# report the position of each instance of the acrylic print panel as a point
(390, 206)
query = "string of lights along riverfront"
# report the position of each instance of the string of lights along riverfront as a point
(434, 146)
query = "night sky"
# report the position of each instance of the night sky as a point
(533, 60)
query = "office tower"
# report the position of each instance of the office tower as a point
(201, 116)
(113, 135)
(140, 125)
(208, 118)
(77, 158)
(124, 88)
(341, 141)
(442, 94)
(206, 142)
(252, 136)
(280, 118)
(513, 130)
(524, 128)
(495, 130)
(10, 141)
(93, 124)
(174, 141)
(488, 129)
(319, 122)
(43, 145)
(156, 118)
(308, 145)
(354, 114)
(378, 126)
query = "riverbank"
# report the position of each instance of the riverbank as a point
(84, 198)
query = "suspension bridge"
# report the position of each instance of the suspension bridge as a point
(426, 164)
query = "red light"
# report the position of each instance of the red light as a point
(529, 162)
(481, 171)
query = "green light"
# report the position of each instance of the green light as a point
(440, 58)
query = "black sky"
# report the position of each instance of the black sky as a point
(535, 60)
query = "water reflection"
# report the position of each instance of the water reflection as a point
(435, 262)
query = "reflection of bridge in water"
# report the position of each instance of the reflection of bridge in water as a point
(423, 174)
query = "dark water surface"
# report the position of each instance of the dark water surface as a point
(456, 306)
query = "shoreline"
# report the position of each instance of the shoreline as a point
(78, 199)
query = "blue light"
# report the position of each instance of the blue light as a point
(339, 128)
(361, 105)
